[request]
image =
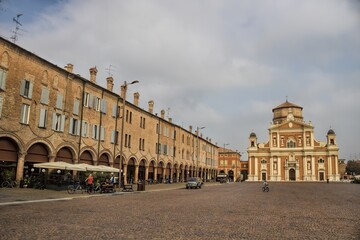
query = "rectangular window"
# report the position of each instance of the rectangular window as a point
(102, 134)
(165, 152)
(158, 148)
(3, 74)
(74, 126)
(130, 121)
(86, 99)
(85, 129)
(115, 111)
(25, 112)
(45, 96)
(58, 122)
(95, 132)
(59, 101)
(114, 137)
(26, 88)
(43, 118)
(97, 104)
(128, 140)
(103, 106)
(127, 116)
(76, 106)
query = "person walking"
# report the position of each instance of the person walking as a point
(89, 181)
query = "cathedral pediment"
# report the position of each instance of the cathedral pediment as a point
(290, 124)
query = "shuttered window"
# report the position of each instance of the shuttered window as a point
(43, 118)
(45, 96)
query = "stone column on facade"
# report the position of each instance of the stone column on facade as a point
(279, 168)
(271, 169)
(313, 178)
(20, 166)
(171, 174)
(136, 177)
(125, 173)
(305, 170)
(278, 139)
(330, 171)
(178, 175)
(256, 172)
(337, 177)
(163, 174)
(155, 173)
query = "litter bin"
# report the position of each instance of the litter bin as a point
(327, 180)
(141, 186)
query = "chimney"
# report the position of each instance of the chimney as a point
(190, 128)
(151, 106)
(93, 72)
(69, 67)
(170, 120)
(122, 91)
(162, 113)
(136, 99)
(110, 83)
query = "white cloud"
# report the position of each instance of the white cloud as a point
(223, 64)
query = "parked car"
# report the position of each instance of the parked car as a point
(194, 182)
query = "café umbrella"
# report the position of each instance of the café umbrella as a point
(59, 165)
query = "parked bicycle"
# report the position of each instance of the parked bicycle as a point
(9, 183)
(76, 186)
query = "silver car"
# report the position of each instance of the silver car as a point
(194, 182)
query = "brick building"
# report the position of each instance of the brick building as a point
(51, 114)
(230, 164)
(292, 153)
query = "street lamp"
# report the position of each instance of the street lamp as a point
(198, 149)
(124, 87)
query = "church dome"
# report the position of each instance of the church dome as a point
(285, 109)
(331, 132)
(252, 134)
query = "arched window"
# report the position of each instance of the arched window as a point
(291, 144)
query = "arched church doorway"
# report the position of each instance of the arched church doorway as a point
(292, 175)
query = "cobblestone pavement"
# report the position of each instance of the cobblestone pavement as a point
(227, 211)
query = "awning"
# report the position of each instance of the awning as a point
(100, 168)
(59, 165)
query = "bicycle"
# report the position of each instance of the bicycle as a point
(76, 186)
(265, 188)
(9, 183)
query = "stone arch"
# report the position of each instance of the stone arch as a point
(91, 150)
(104, 159)
(87, 156)
(142, 169)
(9, 150)
(38, 152)
(45, 142)
(130, 170)
(65, 154)
(160, 171)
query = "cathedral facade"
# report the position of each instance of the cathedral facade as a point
(292, 153)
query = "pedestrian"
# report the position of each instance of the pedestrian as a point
(112, 179)
(89, 181)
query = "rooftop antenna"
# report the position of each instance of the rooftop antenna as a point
(109, 70)
(286, 98)
(17, 28)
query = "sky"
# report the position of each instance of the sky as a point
(222, 65)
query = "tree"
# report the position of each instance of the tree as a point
(353, 166)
